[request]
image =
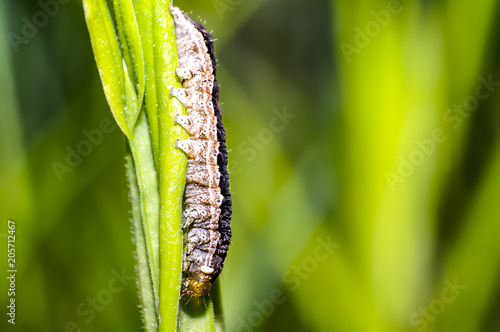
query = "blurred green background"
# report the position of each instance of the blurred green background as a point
(365, 163)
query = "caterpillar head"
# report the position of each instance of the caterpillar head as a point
(195, 288)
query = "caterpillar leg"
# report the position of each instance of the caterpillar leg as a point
(188, 222)
(184, 73)
(186, 122)
(198, 125)
(190, 247)
(186, 261)
(180, 94)
(199, 101)
(201, 150)
(189, 147)
(197, 80)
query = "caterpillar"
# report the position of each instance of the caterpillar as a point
(207, 198)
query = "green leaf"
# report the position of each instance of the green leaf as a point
(145, 14)
(147, 181)
(130, 39)
(108, 58)
(132, 106)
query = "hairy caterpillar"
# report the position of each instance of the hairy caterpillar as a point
(207, 196)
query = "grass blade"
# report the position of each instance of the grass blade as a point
(145, 285)
(147, 181)
(108, 58)
(144, 14)
(130, 38)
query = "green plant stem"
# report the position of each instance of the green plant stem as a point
(217, 312)
(145, 285)
(197, 315)
(172, 167)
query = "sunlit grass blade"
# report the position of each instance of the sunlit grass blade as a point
(108, 58)
(130, 39)
(144, 15)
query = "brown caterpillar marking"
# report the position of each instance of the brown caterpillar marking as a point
(208, 202)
